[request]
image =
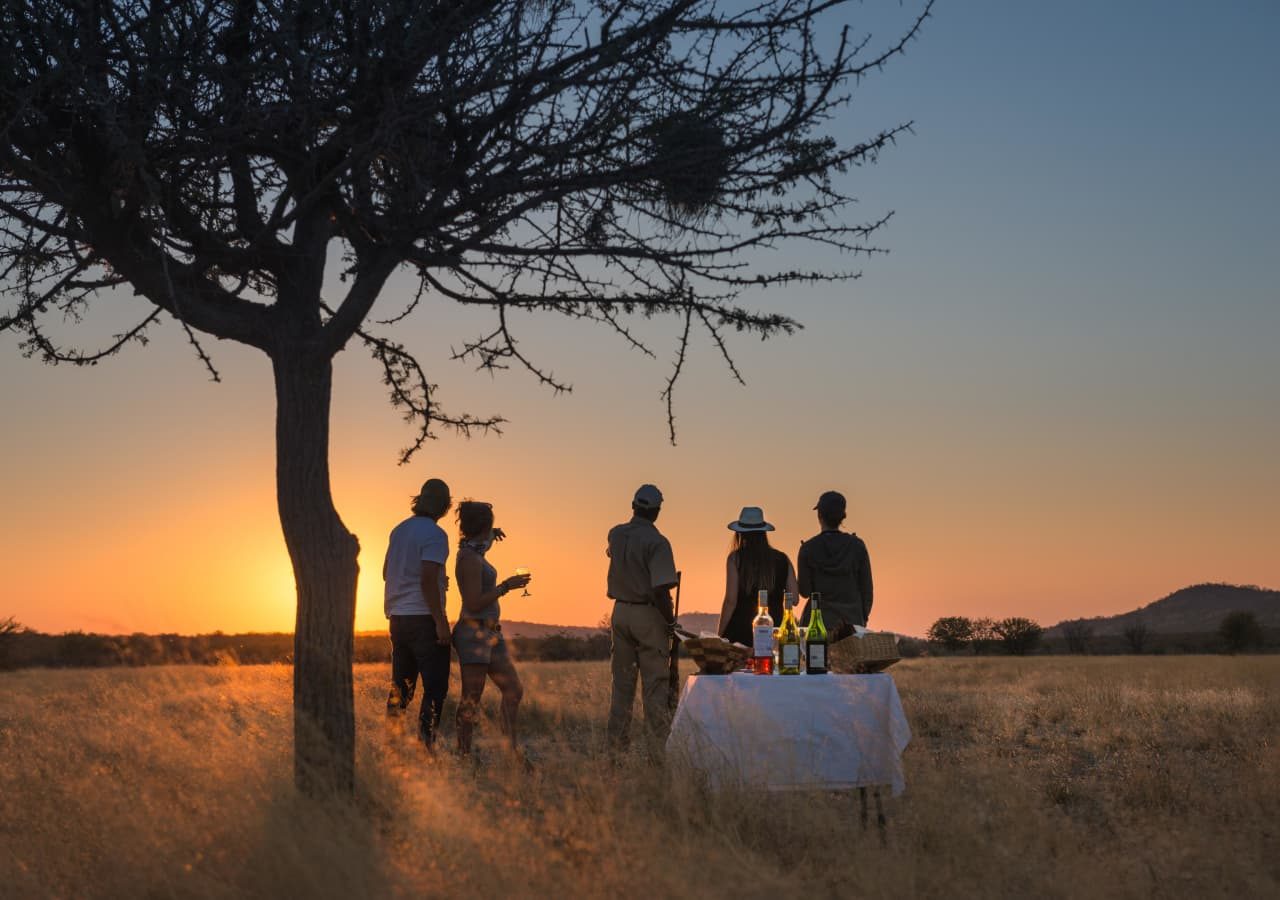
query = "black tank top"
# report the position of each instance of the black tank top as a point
(744, 611)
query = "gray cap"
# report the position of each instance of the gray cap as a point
(647, 497)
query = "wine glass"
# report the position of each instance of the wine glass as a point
(523, 570)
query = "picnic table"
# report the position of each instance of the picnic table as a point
(791, 732)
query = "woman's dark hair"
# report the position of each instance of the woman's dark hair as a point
(755, 560)
(474, 518)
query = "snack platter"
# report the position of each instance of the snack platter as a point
(714, 655)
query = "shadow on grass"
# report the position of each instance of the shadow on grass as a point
(314, 848)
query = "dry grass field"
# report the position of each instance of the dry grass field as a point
(1048, 777)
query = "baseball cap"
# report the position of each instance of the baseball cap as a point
(831, 505)
(647, 497)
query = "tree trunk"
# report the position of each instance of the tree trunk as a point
(325, 570)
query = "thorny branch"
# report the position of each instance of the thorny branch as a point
(668, 393)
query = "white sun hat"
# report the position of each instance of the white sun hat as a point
(750, 519)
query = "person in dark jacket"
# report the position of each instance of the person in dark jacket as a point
(836, 565)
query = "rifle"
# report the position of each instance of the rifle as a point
(673, 658)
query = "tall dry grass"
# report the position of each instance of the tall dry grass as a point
(1047, 777)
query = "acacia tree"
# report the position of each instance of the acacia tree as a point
(984, 635)
(952, 632)
(1018, 635)
(595, 159)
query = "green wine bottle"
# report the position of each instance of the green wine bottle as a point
(816, 638)
(788, 638)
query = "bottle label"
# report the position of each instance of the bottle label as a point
(817, 656)
(762, 641)
(791, 656)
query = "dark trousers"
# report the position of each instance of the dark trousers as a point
(414, 652)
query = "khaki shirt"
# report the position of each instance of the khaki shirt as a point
(640, 561)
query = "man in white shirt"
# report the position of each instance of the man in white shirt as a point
(415, 586)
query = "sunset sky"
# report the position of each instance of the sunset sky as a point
(1056, 396)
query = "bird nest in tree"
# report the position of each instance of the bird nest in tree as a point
(691, 160)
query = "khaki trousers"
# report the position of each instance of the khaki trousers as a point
(640, 646)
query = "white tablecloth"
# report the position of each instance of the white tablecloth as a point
(786, 732)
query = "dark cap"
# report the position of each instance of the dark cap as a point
(831, 505)
(647, 497)
(435, 489)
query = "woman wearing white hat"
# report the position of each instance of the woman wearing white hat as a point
(752, 566)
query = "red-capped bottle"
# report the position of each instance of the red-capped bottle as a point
(762, 637)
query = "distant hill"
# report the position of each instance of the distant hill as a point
(1194, 609)
(537, 630)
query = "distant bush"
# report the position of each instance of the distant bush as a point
(1078, 633)
(1136, 634)
(952, 632)
(1240, 631)
(562, 648)
(1018, 635)
(77, 649)
(911, 648)
(9, 630)
(985, 640)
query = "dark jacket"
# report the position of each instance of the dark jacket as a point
(836, 565)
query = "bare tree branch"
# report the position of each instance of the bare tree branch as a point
(512, 153)
(668, 393)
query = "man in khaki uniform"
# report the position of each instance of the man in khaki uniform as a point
(641, 575)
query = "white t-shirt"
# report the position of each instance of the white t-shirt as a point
(414, 541)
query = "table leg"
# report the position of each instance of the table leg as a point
(881, 824)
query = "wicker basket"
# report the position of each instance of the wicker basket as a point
(716, 656)
(875, 651)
